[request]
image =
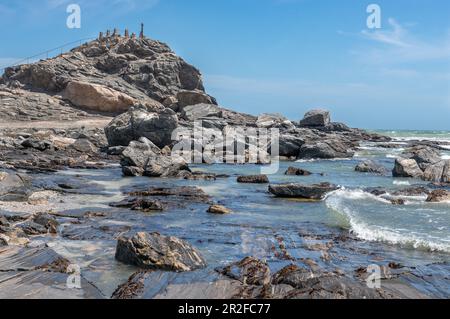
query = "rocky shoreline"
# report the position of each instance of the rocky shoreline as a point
(144, 92)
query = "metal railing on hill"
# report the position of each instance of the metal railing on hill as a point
(46, 54)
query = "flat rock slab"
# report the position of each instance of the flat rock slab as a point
(14, 258)
(166, 285)
(313, 192)
(253, 179)
(40, 284)
(38, 273)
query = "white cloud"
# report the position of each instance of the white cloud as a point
(398, 44)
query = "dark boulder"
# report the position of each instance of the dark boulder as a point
(253, 179)
(406, 168)
(158, 127)
(315, 118)
(297, 171)
(313, 192)
(439, 195)
(371, 167)
(328, 149)
(155, 251)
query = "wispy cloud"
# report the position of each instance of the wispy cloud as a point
(399, 44)
(397, 36)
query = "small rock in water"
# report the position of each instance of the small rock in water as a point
(140, 204)
(219, 210)
(155, 251)
(253, 179)
(313, 192)
(439, 195)
(371, 167)
(297, 171)
(398, 201)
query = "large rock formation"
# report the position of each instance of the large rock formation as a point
(143, 69)
(317, 117)
(157, 126)
(422, 162)
(145, 158)
(97, 97)
(156, 92)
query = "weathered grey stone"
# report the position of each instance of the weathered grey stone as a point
(138, 122)
(155, 251)
(186, 98)
(316, 117)
(371, 167)
(199, 111)
(297, 171)
(439, 195)
(313, 192)
(406, 168)
(253, 179)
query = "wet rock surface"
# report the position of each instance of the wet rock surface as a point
(313, 192)
(253, 179)
(154, 251)
(38, 273)
(440, 195)
(297, 171)
(371, 167)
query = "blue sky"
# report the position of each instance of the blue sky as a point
(277, 55)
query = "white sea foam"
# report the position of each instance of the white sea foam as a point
(370, 231)
(396, 182)
(322, 159)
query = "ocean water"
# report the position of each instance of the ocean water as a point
(416, 234)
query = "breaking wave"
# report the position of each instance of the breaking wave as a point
(373, 218)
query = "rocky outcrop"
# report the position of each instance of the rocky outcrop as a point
(312, 192)
(273, 121)
(157, 126)
(187, 98)
(143, 69)
(218, 210)
(96, 97)
(406, 168)
(326, 150)
(371, 167)
(200, 111)
(316, 118)
(39, 273)
(297, 171)
(290, 144)
(439, 195)
(253, 179)
(145, 158)
(250, 271)
(423, 162)
(155, 251)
